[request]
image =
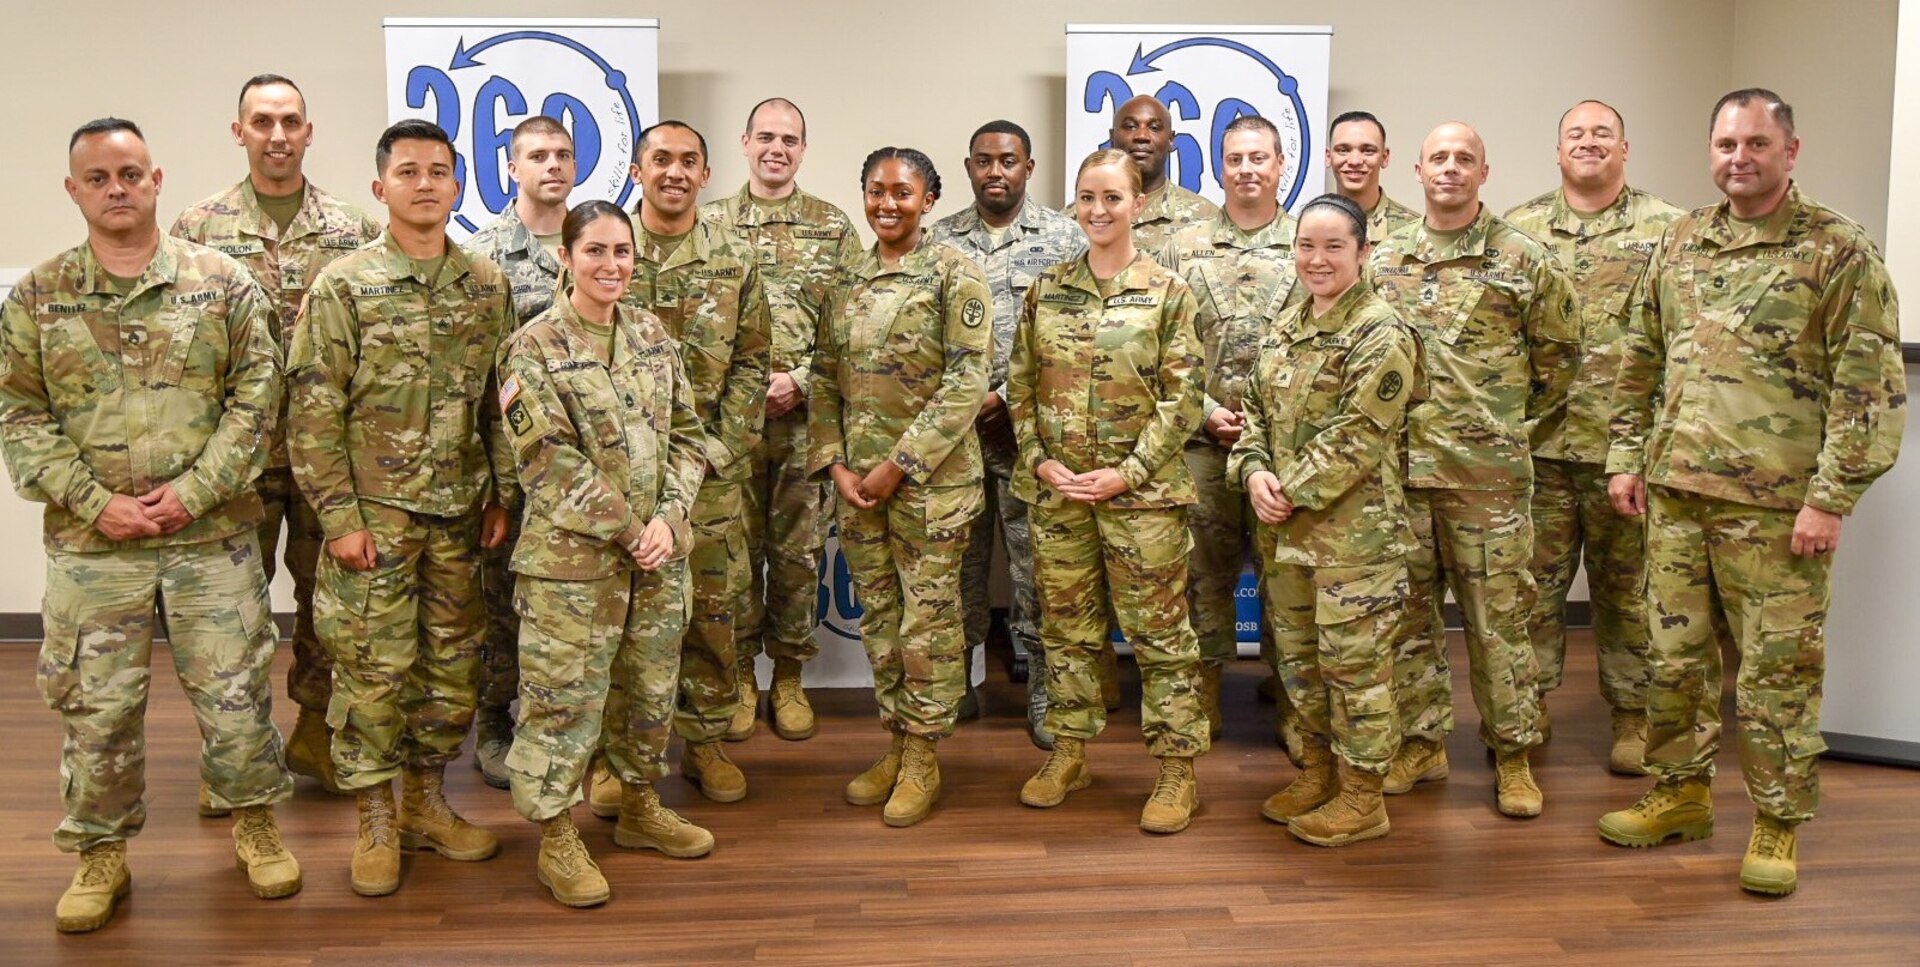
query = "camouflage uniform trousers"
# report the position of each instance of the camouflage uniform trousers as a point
(405, 637)
(94, 670)
(1084, 556)
(786, 525)
(499, 651)
(718, 571)
(1335, 628)
(1721, 573)
(1571, 513)
(599, 667)
(310, 679)
(904, 556)
(1010, 513)
(1477, 542)
(1222, 522)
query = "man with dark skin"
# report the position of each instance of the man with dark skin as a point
(1143, 128)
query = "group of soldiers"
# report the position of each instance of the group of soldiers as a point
(1690, 402)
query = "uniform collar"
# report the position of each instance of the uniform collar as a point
(1472, 242)
(697, 247)
(401, 266)
(1337, 318)
(1274, 234)
(521, 239)
(573, 329)
(306, 221)
(748, 213)
(1616, 216)
(1725, 233)
(162, 269)
(969, 223)
(917, 262)
(1136, 277)
(1158, 204)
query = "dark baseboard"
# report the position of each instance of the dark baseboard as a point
(1867, 748)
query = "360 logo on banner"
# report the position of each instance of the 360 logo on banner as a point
(1207, 77)
(479, 78)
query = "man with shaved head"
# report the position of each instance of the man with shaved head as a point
(1498, 320)
(1144, 130)
(1602, 232)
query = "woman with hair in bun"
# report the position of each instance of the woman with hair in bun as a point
(1104, 389)
(900, 373)
(598, 413)
(1320, 459)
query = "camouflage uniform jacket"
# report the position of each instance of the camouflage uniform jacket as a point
(1497, 316)
(1604, 255)
(324, 229)
(602, 446)
(804, 245)
(1111, 382)
(1243, 283)
(709, 295)
(392, 381)
(531, 272)
(902, 369)
(1037, 238)
(1762, 364)
(1169, 209)
(1326, 414)
(178, 383)
(1388, 216)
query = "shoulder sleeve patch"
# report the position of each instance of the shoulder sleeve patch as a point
(1390, 386)
(509, 391)
(973, 313)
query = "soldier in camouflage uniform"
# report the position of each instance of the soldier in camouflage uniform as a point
(898, 381)
(610, 456)
(1356, 152)
(284, 229)
(1498, 320)
(1602, 231)
(1320, 460)
(1760, 393)
(802, 244)
(525, 242)
(1144, 130)
(1240, 267)
(1104, 387)
(704, 285)
(394, 439)
(138, 384)
(1012, 238)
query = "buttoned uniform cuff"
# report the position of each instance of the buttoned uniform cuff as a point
(193, 495)
(338, 522)
(1134, 473)
(1626, 461)
(629, 535)
(1252, 466)
(92, 503)
(800, 376)
(1830, 498)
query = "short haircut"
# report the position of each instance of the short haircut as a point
(1779, 110)
(411, 129)
(1116, 158)
(264, 80)
(915, 160)
(1358, 116)
(1254, 122)
(104, 126)
(783, 102)
(1617, 116)
(1002, 126)
(538, 124)
(641, 144)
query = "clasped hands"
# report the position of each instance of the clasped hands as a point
(157, 513)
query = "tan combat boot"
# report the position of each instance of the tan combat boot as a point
(1358, 813)
(917, 787)
(1175, 796)
(206, 807)
(1771, 865)
(97, 887)
(375, 870)
(1682, 807)
(1419, 760)
(271, 871)
(1310, 790)
(1286, 732)
(1109, 677)
(1210, 672)
(740, 727)
(1515, 792)
(1629, 754)
(428, 823)
(874, 786)
(792, 714)
(310, 750)
(492, 740)
(646, 823)
(1064, 771)
(705, 764)
(566, 868)
(603, 790)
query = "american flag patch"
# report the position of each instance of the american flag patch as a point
(509, 391)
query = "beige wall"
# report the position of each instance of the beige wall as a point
(1508, 66)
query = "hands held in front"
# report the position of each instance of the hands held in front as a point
(1269, 504)
(870, 491)
(1091, 487)
(783, 394)
(654, 546)
(1225, 425)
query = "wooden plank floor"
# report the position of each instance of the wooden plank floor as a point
(801, 877)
